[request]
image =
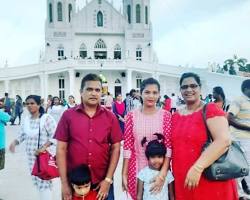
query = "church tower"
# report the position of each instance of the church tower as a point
(60, 11)
(137, 12)
(60, 14)
(138, 32)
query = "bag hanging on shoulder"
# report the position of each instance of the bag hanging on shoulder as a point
(45, 165)
(232, 164)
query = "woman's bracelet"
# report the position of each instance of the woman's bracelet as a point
(198, 168)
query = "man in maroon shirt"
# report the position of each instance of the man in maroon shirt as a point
(89, 134)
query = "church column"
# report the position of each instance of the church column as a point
(6, 85)
(44, 85)
(71, 82)
(129, 80)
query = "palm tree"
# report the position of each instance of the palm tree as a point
(248, 68)
(228, 64)
(241, 62)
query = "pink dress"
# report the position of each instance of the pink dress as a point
(138, 126)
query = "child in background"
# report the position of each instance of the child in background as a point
(80, 179)
(155, 153)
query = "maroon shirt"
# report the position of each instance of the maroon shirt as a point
(89, 139)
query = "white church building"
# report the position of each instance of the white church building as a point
(99, 39)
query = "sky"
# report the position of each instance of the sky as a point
(189, 33)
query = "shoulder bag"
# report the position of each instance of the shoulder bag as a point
(232, 164)
(45, 164)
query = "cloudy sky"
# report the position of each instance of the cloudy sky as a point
(186, 32)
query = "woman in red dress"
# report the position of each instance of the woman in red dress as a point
(188, 138)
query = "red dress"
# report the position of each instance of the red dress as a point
(91, 196)
(188, 137)
(167, 104)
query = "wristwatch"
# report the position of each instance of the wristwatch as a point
(109, 180)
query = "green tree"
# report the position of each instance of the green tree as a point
(248, 68)
(241, 62)
(230, 64)
(232, 70)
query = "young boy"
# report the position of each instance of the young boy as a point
(80, 179)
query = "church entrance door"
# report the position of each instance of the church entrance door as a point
(118, 90)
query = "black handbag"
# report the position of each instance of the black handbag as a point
(232, 164)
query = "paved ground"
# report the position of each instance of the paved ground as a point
(15, 181)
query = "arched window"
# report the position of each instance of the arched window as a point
(59, 12)
(99, 19)
(139, 53)
(83, 51)
(138, 13)
(146, 15)
(100, 51)
(129, 13)
(70, 12)
(118, 81)
(100, 44)
(50, 13)
(117, 52)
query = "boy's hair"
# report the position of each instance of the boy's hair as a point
(154, 147)
(80, 175)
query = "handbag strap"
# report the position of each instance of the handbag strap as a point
(204, 114)
(39, 135)
(38, 145)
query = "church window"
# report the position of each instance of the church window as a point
(139, 53)
(50, 13)
(100, 44)
(99, 19)
(70, 12)
(129, 13)
(61, 87)
(59, 12)
(146, 14)
(83, 51)
(100, 51)
(138, 13)
(118, 81)
(60, 52)
(117, 52)
(138, 81)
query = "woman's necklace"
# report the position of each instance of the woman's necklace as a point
(186, 111)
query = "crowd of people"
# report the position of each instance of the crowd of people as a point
(163, 141)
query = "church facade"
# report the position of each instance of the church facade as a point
(99, 39)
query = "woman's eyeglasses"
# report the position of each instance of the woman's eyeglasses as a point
(192, 86)
(32, 103)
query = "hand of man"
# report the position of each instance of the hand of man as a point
(103, 192)
(66, 192)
